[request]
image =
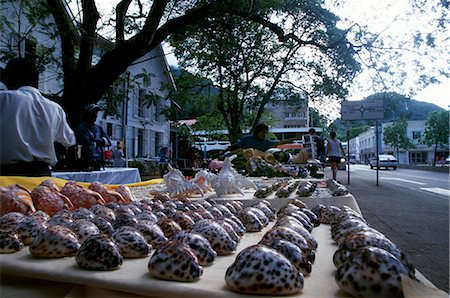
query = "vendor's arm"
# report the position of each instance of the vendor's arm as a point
(287, 141)
(105, 137)
(235, 146)
(328, 149)
(83, 135)
(64, 134)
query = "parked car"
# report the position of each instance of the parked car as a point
(352, 160)
(384, 161)
(446, 162)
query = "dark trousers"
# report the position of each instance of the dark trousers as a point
(28, 169)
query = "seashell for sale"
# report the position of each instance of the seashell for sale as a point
(284, 233)
(10, 220)
(292, 223)
(177, 185)
(152, 233)
(29, 228)
(251, 221)
(9, 242)
(372, 272)
(199, 245)
(131, 242)
(260, 270)
(220, 240)
(55, 242)
(84, 229)
(169, 227)
(99, 252)
(185, 222)
(174, 260)
(293, 253)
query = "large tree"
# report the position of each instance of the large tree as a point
(250, 65)
(395, 135)
(437, 130)
(137, 27)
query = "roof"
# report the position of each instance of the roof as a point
(188, 122)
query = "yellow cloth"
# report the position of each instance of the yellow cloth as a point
(32, 182)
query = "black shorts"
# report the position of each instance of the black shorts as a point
(335, 159)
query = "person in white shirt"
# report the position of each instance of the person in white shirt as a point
(334, 150)
(29, 123)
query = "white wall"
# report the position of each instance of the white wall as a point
(50, 80)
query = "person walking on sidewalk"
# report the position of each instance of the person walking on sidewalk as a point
(334, 152)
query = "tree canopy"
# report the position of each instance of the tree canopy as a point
(437, 130)
(135, 27)
(251, 66)
(395, 135)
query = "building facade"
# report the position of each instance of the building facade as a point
(293, 119)
(363, 146)
(142, 126)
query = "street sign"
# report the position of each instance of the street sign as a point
(362, 110)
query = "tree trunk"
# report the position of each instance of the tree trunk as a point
(435, 152)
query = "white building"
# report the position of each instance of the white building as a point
(293, 119)
(144, 128)
(364, 145)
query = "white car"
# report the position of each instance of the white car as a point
(384, 161)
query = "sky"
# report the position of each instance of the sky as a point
(376, 14)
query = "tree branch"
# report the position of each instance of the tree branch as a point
(121, 11)
(68, 36)
(88, 36)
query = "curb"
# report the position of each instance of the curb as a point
(438, 169)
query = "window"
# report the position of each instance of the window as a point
(416, 135)
(141, 143)
(159, 108)
(141, 107)
(417, 157)
(109, 129)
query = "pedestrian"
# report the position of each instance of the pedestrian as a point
(30, 124)
(320, 145)
(119, 160)
(334, 152)
(258, 140)
(93, 139)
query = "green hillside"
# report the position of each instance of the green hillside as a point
(400, 106)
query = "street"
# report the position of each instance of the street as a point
(411, 207)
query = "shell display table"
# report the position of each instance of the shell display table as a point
(25, 276)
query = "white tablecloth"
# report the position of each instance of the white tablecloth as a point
(106, 176)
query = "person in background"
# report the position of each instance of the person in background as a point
(320, 145)
(334, 152)
(93, 139)
(258, 140)
(30, 124)
(119, 160)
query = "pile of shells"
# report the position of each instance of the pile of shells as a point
(277, 265)
(368, 263)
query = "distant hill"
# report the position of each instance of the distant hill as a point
(400, 106)
(396, 106)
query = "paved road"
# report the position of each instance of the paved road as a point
(411, 207)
